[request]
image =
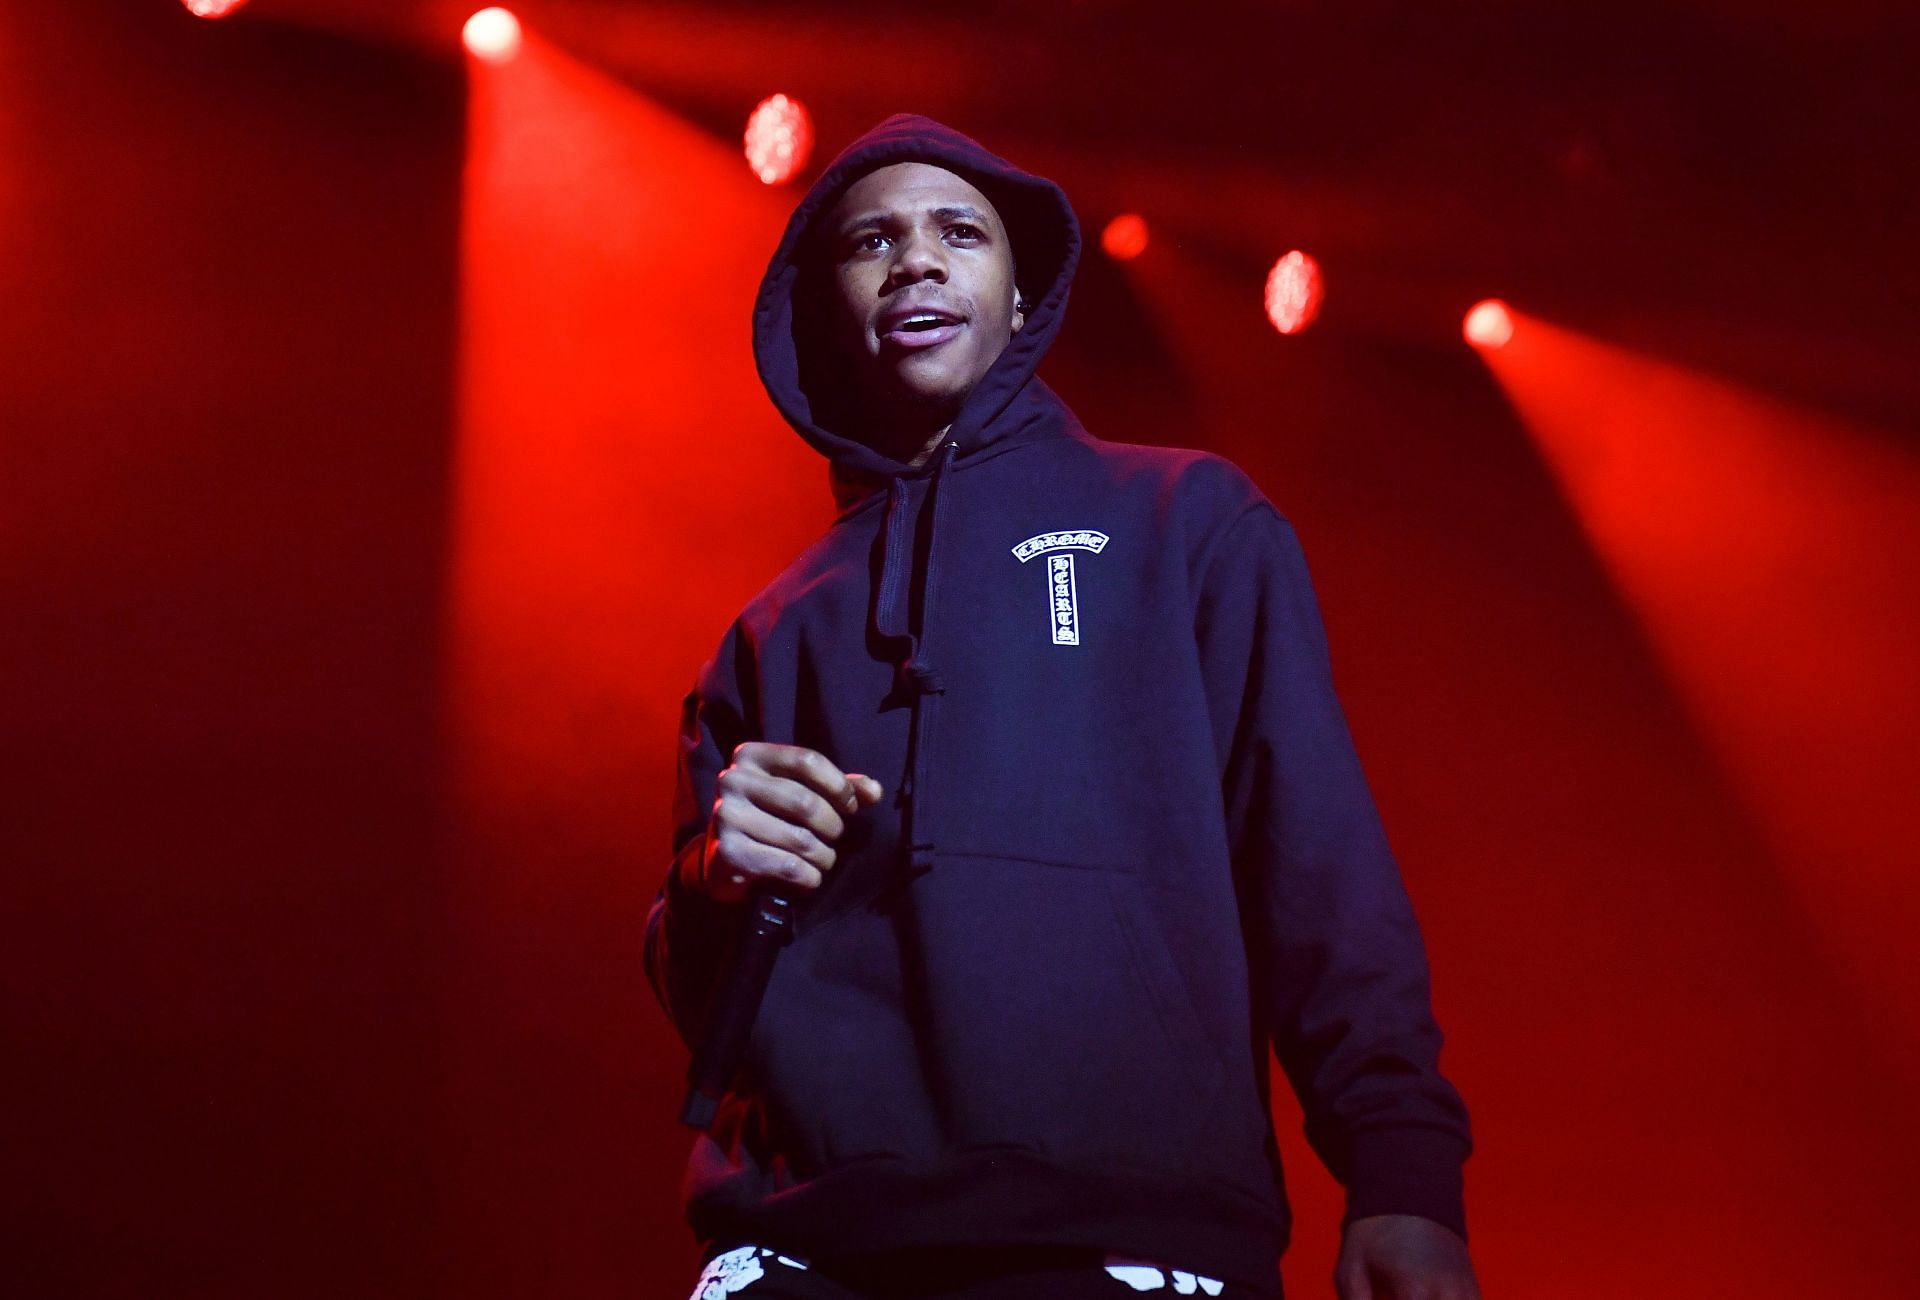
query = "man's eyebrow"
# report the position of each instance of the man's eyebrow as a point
(951, 212)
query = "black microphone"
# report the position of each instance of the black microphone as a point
(768, 928)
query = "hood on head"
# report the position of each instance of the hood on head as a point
(791, 351)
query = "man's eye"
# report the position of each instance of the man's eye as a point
(864, 243)
(963, 228)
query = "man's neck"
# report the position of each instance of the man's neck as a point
(933, 445)
(895, 430)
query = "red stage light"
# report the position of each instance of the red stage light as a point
(493, 35)
(1125, 237)
(212, 8)
(779, 139)
(1489, 324)
(1294, 292)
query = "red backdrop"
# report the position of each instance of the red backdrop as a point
(382, 455)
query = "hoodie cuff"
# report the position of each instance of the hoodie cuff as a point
(1408, 1171)
(685, 900)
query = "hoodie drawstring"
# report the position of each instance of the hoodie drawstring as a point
(916, 671)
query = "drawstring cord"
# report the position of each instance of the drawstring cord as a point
(916, 671)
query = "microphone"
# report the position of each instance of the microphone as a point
(768, 928)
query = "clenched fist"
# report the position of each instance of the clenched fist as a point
(778, 811)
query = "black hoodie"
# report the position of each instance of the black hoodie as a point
(1127, 841)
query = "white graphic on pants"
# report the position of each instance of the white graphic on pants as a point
(1148, 1275)
(1063, 595)
(737, 1269)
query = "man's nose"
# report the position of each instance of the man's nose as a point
(917, 258)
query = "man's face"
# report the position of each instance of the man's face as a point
(909, 242)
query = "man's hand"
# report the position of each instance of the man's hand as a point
(1403, 1257)
(778, 811)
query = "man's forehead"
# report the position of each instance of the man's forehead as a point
(909, 187)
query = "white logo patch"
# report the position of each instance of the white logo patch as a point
(1063, 599)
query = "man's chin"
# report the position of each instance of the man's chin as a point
(924, 403)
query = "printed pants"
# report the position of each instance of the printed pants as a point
(959, 1273)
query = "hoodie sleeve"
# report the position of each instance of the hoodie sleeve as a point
(1337, 956)
(689, 935)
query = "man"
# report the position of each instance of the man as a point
(1042, 734)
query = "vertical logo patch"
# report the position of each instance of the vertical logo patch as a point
(1063, 597)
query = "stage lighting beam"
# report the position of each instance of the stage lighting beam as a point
(492, 35)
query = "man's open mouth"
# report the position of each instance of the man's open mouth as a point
(922, 329)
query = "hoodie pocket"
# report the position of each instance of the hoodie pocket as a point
(1056, 1017)
(1154, 959)
(836, 1056)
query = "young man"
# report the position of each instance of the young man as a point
(1042, 734)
